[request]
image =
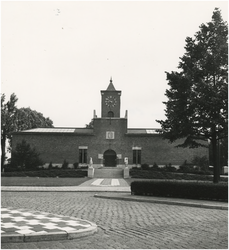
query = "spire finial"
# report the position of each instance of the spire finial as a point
(111, 86)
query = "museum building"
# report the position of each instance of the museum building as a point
(109, 142)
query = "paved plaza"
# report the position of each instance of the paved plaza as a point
(20, 225)
(124, 224)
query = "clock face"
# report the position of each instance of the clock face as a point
(110, 101)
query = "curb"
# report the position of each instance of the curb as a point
(80, 189)
(15, 238)
(50, 236)
(167, 202)
(96, 190)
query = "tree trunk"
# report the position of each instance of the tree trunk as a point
(215, 157)
(3, 148)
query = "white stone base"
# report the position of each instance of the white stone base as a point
(90, 172)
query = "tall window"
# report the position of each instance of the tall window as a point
(137, 151)
(82, 154)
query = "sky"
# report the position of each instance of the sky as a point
(57, 56)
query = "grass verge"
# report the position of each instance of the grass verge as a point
(42, 181)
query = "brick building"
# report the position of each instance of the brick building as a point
(108, 143)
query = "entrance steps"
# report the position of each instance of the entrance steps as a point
(108, 172)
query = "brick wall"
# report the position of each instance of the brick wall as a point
(58, 147)
(55, 147)
(155, 149)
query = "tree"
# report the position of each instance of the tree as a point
(14, 120)
(25, 118)
(197, 106)
(8, 110)
(25, 156)
(91, 124)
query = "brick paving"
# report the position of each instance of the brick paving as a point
(125, 224)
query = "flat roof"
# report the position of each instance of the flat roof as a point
(143, 131)
(59, 130)
(130, 131)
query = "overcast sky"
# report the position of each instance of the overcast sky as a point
(57, 56)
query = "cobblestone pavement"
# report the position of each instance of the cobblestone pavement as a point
(125, 224)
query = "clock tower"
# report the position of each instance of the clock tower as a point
(110, 101)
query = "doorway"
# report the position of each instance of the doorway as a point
(109, 157)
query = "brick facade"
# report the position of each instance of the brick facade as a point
(108, 133)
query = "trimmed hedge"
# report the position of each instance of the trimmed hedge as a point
(179, 189)
(148, 174)
(48, 173)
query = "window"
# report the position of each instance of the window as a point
(137, 155)
(82, 154)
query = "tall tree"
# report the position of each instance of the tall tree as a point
(8, 110)
(197, 106)
(14, 120)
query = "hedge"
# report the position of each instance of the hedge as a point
(148, 174)
(180, 189)
(48, 173)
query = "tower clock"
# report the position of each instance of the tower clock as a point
(110, 101)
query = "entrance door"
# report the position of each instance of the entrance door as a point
(109, 158)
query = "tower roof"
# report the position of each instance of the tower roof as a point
(111, 86)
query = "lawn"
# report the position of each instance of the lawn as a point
(42, 181)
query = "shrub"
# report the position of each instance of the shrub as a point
(25, 156)
(76, 164)
(48, 173)
(11, 169)
(177, 189)
(155, 166)
(201, 162)
(147, 174)
(65, 164)
(50, 165)
(145, 166)
(135, 168)
(170, 168)
(186, 168)
(84, 167)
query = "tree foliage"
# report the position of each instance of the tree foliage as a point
(8, 110)
(91, 124)
(14, 120)
(197, 106)
(25, 156)
(25, 118)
